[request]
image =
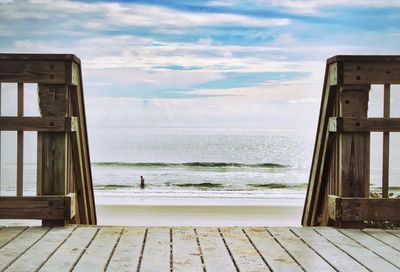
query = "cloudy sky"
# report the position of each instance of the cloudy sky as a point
(202, 63)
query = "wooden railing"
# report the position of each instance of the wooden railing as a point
(339, 186)
(64, 179)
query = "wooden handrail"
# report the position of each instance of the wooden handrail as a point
(63, 165)
(340, 165)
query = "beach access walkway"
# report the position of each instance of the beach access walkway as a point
(93, 248)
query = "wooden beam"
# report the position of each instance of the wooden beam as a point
(364, 209)
(371, 73)
(363, 124)
(354, 148)
(55, 207)
(48, 124)
(386, 141)
(23, 71)
(20, 142)
(53, 101)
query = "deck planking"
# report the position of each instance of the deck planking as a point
(90, 248)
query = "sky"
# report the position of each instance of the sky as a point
(211, 63)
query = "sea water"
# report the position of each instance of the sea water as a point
(196, 162)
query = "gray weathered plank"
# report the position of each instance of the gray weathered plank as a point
(245, 255)
(276, 257)
(336, 257)
(97, 255)
(305, 256)
(369, 259)
(385, 236)
(185, 252)
(68, 254)
(376, 246)
(216, 256)
(127, 253)
(33, 258)
(7, 234)
(156, 254)
(19, 245)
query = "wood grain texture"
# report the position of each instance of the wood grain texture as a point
(363, 124)
(361, 254)
(276, 257)
(36, 207)
(38, 254)
(371, 73)
(9, 233)
(304, 255)
(216, 256)
(354, 148)
(386, 142)
(47, 124)
(10, 252)
(127, 252)
(68, 254)
(97, 255)
(185, 252)
(20, 142)
(156, 254)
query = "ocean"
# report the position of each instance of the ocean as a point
(194, 162)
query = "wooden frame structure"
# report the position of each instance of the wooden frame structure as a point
(339, 186)
(63, 162)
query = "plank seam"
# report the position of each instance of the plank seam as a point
(316, 252)
(84, 250)
(45, 261)
(377, 254)
(13, 238)
(259, 253)
(200, 251)
(381, 240)
(114, 247)
(394, 234)
(285, 249)
(229, 251)
(142, 250)
(342, 249)
(22, 253)
(171, 254)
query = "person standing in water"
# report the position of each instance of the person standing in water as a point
(142, 182)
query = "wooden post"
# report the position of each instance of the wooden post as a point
(386, 140)
(20, 143)
(52, 159)
(354, 147)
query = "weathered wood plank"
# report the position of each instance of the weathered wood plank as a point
(379, 248)
(48, 124)
(9, 233)
(36, 207)
(276, 257)
(20, 142)
(386, 141)
(19, 245)
(53, 101)
(35, 57)
(49, 72)
(69, 253)
(354, 148)
(156, 254)
(185, 252)
(364, 209)
(384, 236)
(369, 259)
(363, 124)
(215, 255)
(305, 256)
(97, 255)
(245, 255)
(127, 253)
(371, 73)
(37, 255)
(336, 257)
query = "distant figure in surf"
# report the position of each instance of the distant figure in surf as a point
(142, 182)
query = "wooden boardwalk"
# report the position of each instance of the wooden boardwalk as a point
(90, 248)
